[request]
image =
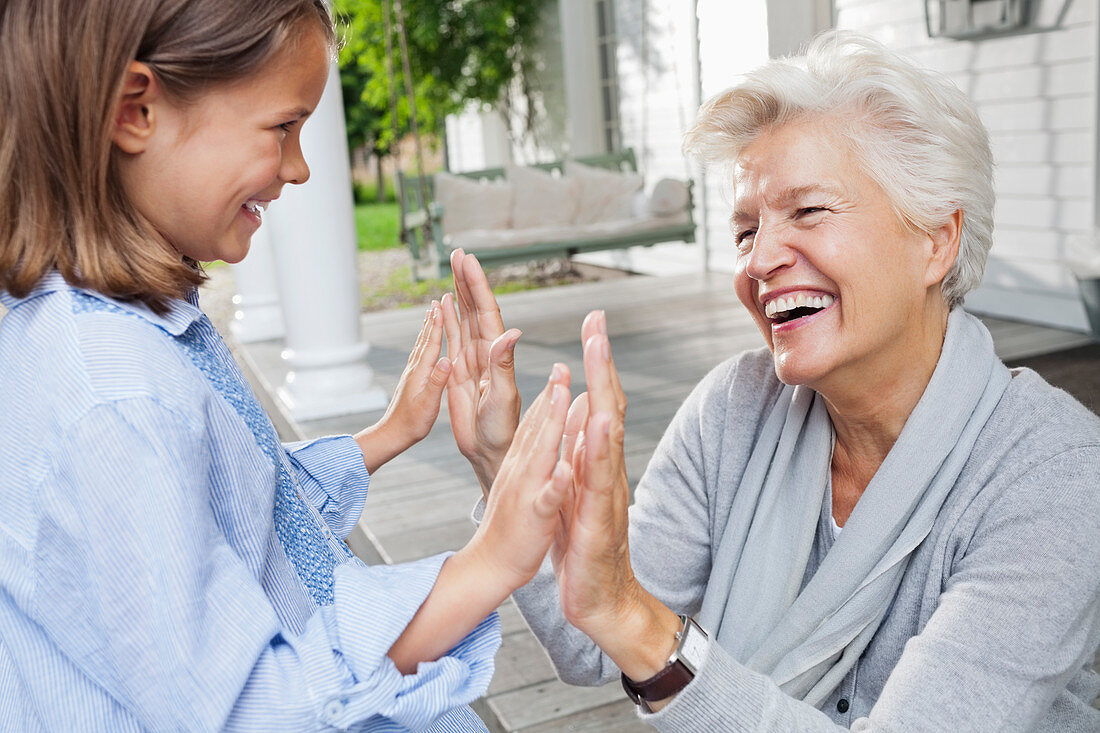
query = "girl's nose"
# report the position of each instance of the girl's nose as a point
(294, 168)
(771, 252)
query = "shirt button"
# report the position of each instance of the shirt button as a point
(333, 709)
(842, 705)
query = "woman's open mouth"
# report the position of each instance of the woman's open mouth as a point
(793, 307)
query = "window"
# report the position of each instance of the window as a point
(606, 48)
(981, 18)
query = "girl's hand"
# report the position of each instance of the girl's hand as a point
(522, 511)
(598, 590)
(482, 397)
(508, 547)
(415, 404)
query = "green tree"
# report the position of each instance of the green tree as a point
(460, 51)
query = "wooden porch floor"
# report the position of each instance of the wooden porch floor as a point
(666, 333)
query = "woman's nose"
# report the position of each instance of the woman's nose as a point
(771, 251)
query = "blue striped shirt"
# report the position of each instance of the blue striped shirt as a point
(167, 564)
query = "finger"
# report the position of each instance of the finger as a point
(591, 325)
(422, 338)
(538, 413)
(441, 372)
(456, 262)
(502, 365)
(466, 302)
(602, 395)
(535, 449)
(599, 460)
(548, 502)
(433, 336)
(489, 322)
(595, 323)
(574, 425)
(578, 458)
(451, 326)
(547, 441)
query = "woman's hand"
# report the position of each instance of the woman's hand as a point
(591, 553)
(415, 404)
(593, 568)
(482, 397)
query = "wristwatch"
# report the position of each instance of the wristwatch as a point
(691, 649)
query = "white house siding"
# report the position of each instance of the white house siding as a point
(733, 39)
(658, 97)
(482, 138)
(661, 85)
(1037, 94)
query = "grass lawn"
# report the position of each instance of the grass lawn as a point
(377, 226)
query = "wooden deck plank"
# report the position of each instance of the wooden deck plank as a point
(616, 717)
(550, 701)
(521, 662)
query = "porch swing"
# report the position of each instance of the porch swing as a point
(665, 216)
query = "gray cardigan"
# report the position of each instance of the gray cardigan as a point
(997, 618)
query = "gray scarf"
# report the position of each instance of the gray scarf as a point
(807, 642)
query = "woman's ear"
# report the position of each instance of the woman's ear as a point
(944, 249)
(135, 117)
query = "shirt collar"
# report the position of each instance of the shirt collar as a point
(181, 313)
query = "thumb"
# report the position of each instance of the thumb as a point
(502, 362)
(549, 501)
(502, 352)
(441, 373)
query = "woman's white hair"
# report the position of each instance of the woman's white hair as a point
(911, 129)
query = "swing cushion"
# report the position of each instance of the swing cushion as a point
(604, 195)
(469, 204)
(541, 199)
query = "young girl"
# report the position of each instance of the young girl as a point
(165, 563)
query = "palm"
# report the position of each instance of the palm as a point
(476, 420)
(590, 550)
(482, 398)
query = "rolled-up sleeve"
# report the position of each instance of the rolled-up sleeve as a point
(138, 587)
(331, 473)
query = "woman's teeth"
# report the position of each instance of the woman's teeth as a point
(801, 300)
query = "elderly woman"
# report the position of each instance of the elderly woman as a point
(872, 523)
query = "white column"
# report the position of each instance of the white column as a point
(259, 316)
(580, 70)
(313, 233)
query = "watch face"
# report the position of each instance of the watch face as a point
(693, 648)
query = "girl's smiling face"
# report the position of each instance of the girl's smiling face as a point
(205, 170)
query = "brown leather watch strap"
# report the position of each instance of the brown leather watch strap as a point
(677, 673)
(665, 683)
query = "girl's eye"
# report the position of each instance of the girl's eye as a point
(286, 126)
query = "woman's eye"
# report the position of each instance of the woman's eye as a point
(742, 237)
(811, 210)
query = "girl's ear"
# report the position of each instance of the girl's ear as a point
(135, 117)
(944, 249)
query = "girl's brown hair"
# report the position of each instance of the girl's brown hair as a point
(62, 63)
